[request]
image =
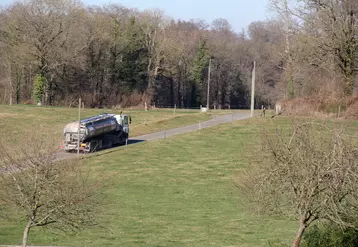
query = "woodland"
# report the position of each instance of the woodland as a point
(54, 51)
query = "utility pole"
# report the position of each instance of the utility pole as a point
(253, 90)
(208, 94)
(79, 126)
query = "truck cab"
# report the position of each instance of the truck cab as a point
(123, 120)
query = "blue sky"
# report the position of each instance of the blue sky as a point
(240, 13)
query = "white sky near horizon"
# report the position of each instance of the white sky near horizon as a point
(239, 13)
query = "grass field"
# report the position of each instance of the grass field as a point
(174, 192)
(16, 119)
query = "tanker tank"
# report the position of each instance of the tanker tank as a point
(92, 127)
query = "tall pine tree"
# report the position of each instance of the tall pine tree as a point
(201, 62)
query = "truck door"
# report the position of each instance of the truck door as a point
(125, 125)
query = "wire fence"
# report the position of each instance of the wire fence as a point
(168, 131)
(168, 112)
(215, 107)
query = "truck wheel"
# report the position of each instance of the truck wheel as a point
(93, 145)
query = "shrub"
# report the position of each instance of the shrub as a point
(330, 235)
(39, 87)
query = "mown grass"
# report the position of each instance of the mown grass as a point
(17, 120)
(177, 191)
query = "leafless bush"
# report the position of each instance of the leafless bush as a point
(308, 172)
(43, 190)
(322, 106)
(134, 99)
(352, 108)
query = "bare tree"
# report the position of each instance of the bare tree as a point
(151, 28)
(332, 28)
(310, 174)
(44, 191)
(282, 8)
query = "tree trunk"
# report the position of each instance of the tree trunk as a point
(149, 75)
(299, 234)
(10, 99)
(349, 87)
(18, 90)
(26, 234)
(228, 94)
(177, 98)
(220, 93)
(182, 91)
(11, 89)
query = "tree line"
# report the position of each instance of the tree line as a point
(56, 51)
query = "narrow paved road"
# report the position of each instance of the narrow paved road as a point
(216, 120)
(189, 128)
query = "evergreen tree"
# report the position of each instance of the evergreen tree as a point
(201, 62)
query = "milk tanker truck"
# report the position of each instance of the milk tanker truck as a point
(97, 132)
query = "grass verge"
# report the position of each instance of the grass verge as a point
(177, 191)
(51, 120)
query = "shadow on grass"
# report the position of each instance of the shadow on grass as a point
(134, 141)
(114, 148)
